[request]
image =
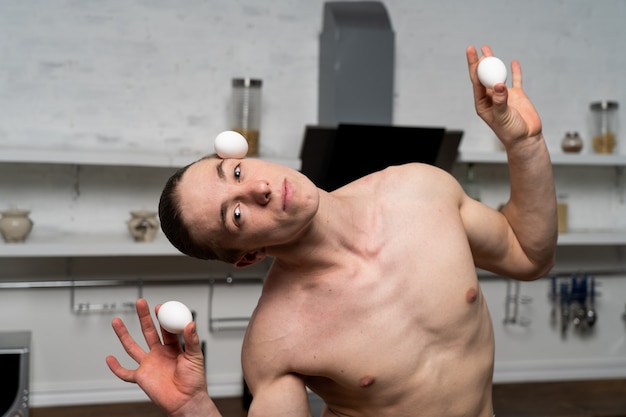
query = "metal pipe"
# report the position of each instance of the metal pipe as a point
(126, 283)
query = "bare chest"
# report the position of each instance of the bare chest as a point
(380, 325)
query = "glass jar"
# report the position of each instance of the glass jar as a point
(604, 126)
(561, 211)
(246, 111)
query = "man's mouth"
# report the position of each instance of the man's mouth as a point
(285, 194)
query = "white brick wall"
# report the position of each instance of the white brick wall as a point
(133, 74)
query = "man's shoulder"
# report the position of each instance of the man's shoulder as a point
(270, 321)
(272, 332)
(413, 177)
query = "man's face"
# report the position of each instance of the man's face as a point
(246, 203)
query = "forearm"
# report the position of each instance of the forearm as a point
(531, 210)
(201, 406)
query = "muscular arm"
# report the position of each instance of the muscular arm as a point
(521, 242)
(282, 397)
(276, 390)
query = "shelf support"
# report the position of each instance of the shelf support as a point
(215, 324)
(228, 323)
(88, 307)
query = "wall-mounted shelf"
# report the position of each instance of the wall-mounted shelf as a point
(575, 237)
(592, 238)
(100, 245)
(120, 245)
(87, 245)
(139, 158)
(557, 158)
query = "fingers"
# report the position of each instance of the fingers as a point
(516, 74)
(119, 371)
(130, 346)
(486, 50)
(150, 333)
(480, 92)
(472, 62)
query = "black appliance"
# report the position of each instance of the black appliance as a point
(334, 156)
(15, 366)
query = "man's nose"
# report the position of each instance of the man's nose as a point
(259, 191)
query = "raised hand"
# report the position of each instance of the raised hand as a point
(507, 111)
(174, 379)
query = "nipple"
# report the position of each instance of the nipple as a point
(471, 295)
(366, 381)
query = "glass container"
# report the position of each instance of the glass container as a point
(561, 207)
(246, 111)
(604, 126)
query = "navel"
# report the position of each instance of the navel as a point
(366, 381)
(471, 295)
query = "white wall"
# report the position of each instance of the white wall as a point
(155, 75)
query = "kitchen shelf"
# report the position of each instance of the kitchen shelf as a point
(87, 245)
(574, 237)
(99, 245)
(592, 238)
(138, 158)
(558, 158)
(102, 245)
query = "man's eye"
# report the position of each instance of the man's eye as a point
(237, 172)
(237, 214)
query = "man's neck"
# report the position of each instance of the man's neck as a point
(332, 234)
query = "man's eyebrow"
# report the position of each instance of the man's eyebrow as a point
(224, 206)
(220, 170)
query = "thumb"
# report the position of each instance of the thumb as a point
(192, 341)
(500, 98)
(505, 120)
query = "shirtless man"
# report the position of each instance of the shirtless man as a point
(372, 300)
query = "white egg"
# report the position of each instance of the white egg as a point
(491, 71)
(230, 144)
(174, 316)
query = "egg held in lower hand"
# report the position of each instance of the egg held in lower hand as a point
(174, 316)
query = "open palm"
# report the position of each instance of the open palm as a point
(171, 377)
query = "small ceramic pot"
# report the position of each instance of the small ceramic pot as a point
(143, 225)
(15, 225)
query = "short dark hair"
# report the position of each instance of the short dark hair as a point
(179, 234)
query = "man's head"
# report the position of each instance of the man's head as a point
(178, 233)
(234, 209)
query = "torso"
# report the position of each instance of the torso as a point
(399, 327)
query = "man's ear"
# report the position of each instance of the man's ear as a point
(250, 258)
